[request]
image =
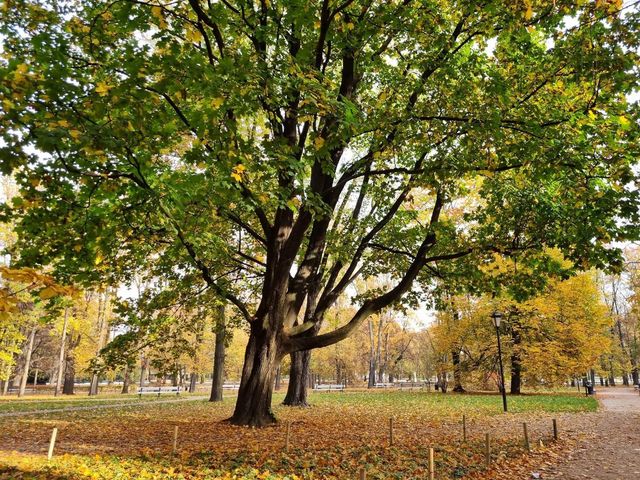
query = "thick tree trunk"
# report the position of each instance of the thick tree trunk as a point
(262, 357)
(457, 373)
(27, 363)
(69, 374)
(217, 380)
(298, 379)
(634, 375)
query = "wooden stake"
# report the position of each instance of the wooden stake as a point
(363, 474)
(391, 431)
(555, 429)
(175, 439)
(526, 437)
(288, 437)
(464, 428)
(487, 450)
(432, 466)
(52, 443)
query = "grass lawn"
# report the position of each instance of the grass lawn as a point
(340, 434)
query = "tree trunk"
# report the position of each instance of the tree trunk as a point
(143, 370)
(217, 380)
(457, 373)
(298, 379)
(126, 381)
(69, 373)
(35, 381)
(262, 357)
(371, 382)
(61, 356)
(193, 379)
(516, 365)
(278, 379)
(103, 330)
(27, 363)
(634, 375)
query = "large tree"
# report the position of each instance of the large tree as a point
(276, 151)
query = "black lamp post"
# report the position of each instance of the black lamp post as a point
(497, 318)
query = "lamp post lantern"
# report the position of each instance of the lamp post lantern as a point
(496, 316)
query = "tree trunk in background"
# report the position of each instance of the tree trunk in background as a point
(442, 382)
(143, 370)
(625, 379)
(457, 373)
(61, 356)
(298, 379)
(278, 380)
(27, 363)
(103, 330)
(193, 379)
(262, 357)
(372, 357)
(217, 380)
(35, 380)
(70, 365)
(69, 374)
(634, 374)
(516, 364)
(126, 381)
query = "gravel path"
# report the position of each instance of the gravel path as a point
(612, 451)
(97, 407)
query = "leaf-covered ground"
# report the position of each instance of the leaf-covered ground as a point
(339, 435)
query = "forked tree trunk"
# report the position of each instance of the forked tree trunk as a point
(298, 380)
(217, 380)
(262, 357)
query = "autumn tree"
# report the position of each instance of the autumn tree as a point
(152, 135)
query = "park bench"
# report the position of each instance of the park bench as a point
(158, 390)
(410, 385)
(383, 385)
(328, 387)
(231, 386)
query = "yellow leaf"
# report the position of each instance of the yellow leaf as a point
(239, 168)
(98, 259)
(102, 88)
(193, 35)
(75, 133)
(63, 123)
(217, 102)
(236, 177)
(318, 143)
(48, 293)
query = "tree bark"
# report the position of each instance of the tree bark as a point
(298, 379)
(126, 381)
(262, 357)
(457, 372)
(217, 380)
(143, 370)
(69, 373)
(516, 363)
(103, 329)
(27, 363)
(278, 379)
(193, 379)
(371, 382)
(61, 356)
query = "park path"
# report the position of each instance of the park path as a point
(99, 407)
(612, 450)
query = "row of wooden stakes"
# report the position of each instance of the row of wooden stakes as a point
(363, 474)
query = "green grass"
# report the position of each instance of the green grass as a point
(445, 404)
(13, 404)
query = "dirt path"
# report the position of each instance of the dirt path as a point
(612, 450)
(97, 407)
